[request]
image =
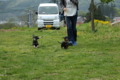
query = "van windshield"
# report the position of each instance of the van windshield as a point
(48, 10)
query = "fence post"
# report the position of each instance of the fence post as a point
(30, 18)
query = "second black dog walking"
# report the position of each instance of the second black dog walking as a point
(65, 44)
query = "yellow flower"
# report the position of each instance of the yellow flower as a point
(102, 22)
(78, 33)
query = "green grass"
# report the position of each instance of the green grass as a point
(95, 57)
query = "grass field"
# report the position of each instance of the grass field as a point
(95, 57)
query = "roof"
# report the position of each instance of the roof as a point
(115, 18)
(48, 4)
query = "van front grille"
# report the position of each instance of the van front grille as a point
(48, 23)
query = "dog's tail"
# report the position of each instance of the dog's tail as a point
(59, 42)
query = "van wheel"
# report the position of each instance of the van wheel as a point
(58, 29)
(39, 28)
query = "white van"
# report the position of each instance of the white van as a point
(48, 16)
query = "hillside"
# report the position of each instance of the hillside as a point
(14, 8)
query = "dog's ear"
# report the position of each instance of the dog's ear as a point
(37, 37)
(66, 37)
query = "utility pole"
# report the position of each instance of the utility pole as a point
(92, 15)
(30, 18)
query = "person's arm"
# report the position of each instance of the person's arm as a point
(75, 2)
(62, 4)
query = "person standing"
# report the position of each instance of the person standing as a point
(70, 8)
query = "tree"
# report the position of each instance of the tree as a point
(106, 1)
(54, 1)
(112, 10)
(92, 12)
(97, 14)
(108, 10)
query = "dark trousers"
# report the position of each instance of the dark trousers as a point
(71, 27)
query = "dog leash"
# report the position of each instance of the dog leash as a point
(47, 33)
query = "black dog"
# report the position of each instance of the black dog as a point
(35, 42)
(65, 44)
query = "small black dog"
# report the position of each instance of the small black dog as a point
(65, 44)
(35, 42)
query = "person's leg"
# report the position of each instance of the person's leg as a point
(65, 24)
(69, 29)
(74, 20)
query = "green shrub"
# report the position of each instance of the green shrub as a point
(7, 25)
